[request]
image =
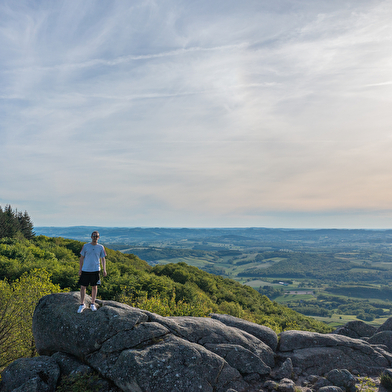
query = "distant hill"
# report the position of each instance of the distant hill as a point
(296, 238)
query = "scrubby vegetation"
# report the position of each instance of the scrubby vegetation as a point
(18, 299)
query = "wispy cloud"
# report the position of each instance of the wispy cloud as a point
(387, 83)
(196, 113)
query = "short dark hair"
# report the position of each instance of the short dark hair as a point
(95, 231)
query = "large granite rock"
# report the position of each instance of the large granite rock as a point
(70, 365)
(342, 378)
(283, 371)
(57, 326)
(316, 353)
(38, 374)
(265, 334)
(387, 326)
(384, 338)
(141, 351)
(356, 329)
(172, 365)
(209, 332)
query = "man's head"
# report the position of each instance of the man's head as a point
(95, 235)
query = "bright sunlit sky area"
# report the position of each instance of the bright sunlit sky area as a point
(171, 113)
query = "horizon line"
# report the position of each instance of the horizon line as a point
(213, 227)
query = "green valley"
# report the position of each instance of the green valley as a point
(332, 275)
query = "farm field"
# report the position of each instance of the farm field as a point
(340, 319)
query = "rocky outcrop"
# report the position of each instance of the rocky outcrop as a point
(31, 374)
(387, 326)
(136, 350)
(342, 378)
(265, 334)
(356, 329)
(382, 338)
(284, 371)
(142, 351)
(316, 353)
(70, 365)
(43, 374)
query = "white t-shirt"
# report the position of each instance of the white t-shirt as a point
(92, 254)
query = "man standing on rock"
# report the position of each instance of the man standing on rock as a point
(90, 265)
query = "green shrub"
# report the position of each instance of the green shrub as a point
(386, 381)
(200, 306)
(80, 383)
(18, 300)
(366, 384)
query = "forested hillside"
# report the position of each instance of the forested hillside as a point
(31, 268)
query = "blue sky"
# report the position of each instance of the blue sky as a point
(197, 113)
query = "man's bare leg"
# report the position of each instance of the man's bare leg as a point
(82, 294)
(94, 290)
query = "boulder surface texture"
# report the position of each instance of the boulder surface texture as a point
(316, 353)
(142, 351)
(30, 374)
(356, 329)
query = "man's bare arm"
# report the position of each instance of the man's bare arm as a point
(104, 266)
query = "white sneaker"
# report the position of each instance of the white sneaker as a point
(93, 307)
(81, 308)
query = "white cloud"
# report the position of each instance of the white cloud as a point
(196, 113)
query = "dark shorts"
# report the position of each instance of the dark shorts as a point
(89, 278)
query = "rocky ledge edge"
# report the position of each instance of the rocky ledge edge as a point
(139, 351)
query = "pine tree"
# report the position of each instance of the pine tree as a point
(25, 225)
(12, 222)
(10, 226)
